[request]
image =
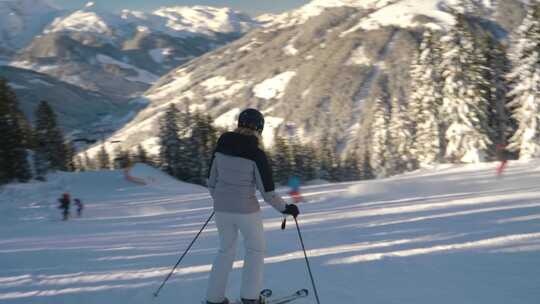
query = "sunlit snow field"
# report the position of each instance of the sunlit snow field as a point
(454, 234)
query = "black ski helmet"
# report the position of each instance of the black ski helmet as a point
(251, 119)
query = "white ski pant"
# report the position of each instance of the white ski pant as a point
(251, 227)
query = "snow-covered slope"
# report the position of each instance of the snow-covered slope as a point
(454, 234)
(402, 13)
(316, 67)
(20, 21)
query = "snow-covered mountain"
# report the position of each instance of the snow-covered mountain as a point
(121, 55)
(315, 67)
(95, 61)
(21, 21)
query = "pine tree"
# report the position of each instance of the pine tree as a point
(170, 143)
(364, 164)
(79, 164)
(70, 150)
(51, 150)
(282, 160)
(188, 163)
(400, 132)
(465, 106)
(122, 158)
(525, 80)
(13, 156)
(329, 165)
(350, 166)
(204, 137)
(89, 163)
(426, 100)
(141, 155)
(103, 159)
(379, 137)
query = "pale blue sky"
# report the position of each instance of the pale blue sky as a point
(253, 7)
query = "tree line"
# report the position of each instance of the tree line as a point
(28, 152)
(471, 97)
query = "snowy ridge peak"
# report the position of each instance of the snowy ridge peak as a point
(173, 21)
(89, 19)
(401, 13)
(205, 19)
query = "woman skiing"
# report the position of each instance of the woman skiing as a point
(239, 167)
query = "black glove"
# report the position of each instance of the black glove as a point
(291, 209)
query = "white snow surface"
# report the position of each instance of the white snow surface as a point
(399, 13)
(451, 234)
(403, 14)
(445, 235)
(220, 87)
(273, 87)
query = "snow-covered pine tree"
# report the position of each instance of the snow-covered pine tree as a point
(425, 102)
(103, 159)
(379, 140)
(13, 156)
(51, 147)
(170, 143)
(465, 106)
(350, 170)
(525, 80)
(497, 88)
(401, 141)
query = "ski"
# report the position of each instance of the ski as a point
(302, 293)
(266, 296)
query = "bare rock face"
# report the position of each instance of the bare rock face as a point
(315, 68)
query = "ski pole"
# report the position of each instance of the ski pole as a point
(184, 254)
(307, 261)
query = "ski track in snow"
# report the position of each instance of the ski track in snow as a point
(453, 234)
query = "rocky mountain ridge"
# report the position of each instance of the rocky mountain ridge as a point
(314, 68)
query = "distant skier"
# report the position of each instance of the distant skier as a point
(65, 201)
(294, 189)
(239, 167)
(502, 156)
(80, 207)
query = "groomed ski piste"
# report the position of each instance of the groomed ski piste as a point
(451, 234)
